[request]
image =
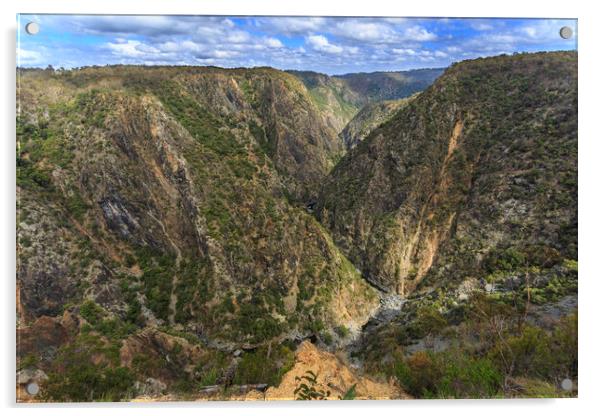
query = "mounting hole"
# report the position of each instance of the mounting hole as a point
(567, 384)
(566, 32)
(32, 389)
(32, 28)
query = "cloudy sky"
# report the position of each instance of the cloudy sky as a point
(331, 45)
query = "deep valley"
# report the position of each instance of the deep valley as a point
(204, 233)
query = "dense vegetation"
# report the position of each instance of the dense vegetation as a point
(487, 348)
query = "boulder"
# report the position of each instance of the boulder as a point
(30, 375)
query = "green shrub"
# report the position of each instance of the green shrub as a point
(29, 361)
(350, 394)
(91, 312)
(76, 206)
(535, 388)
(114, 328)
(308, 388)
(466, 377)
(342, 331)
(209, 378)
(157, 277)
(326, 337)
(133, 312)
(508, 259)
(264, 365)
(535, 353)
(450, 374)
(565, 350)
(86, 382)
(255, 321)
(429, 320)
(572, 265)
(77, 375)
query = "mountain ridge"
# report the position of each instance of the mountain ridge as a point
(371, 171)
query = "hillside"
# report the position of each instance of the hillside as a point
(155, 202)
(463, 208)
(340, 97)
(368, 118)
(483, 161)
(332, 96)
(380, 86)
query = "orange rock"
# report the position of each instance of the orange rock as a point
(43, 334)
(333, 375)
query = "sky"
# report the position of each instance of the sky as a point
(332, 45)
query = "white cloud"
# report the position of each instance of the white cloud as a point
(238, 36)
(404, 51)
(543, 30)
(396, 20)
(380, 31)
(329, 44)
(507, 39)
(223, 54)
(170, 46)
(128, 25)
(320, 43)
(364, 31)
(419, 34)
(421, 55)
(293, 25)
(273, 43)
(27, 57)
(131, 48)
(482, 26)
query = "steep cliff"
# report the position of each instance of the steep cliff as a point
(478, 170)
(166, 198)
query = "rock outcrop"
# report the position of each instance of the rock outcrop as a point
(333, 375)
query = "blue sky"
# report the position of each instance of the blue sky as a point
(332, 45)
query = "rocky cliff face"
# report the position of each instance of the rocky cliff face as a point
(165, 197)
(479, 169)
